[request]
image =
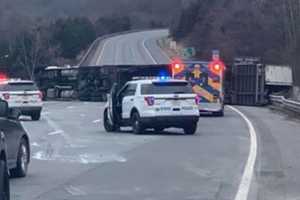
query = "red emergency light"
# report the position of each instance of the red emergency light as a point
(217, 66)
(177, 66)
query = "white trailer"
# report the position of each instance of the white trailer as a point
(277, 75)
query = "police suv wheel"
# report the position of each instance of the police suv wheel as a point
(191, 129)
(137, 127)
(4, 181)
(22, 160)
(108, 126)
(36, 116)
(219, 113)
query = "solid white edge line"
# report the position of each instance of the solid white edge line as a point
(148, 52)
(102, 51)
(244, 187)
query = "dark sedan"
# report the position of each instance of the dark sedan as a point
(4, 175)
(17, 141)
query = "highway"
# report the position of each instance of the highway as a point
(251, 153)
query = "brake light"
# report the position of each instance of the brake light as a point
(150, 101)
(3, 78)
(6, 96)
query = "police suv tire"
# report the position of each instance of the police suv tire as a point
(106, 123)
(137, 126)
(191, 129)
(219, 113)
(4, 181)
(22, 160)
(36, 116)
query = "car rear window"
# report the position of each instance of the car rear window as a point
(18, 87)
(166, 88)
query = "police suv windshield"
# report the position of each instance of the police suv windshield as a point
(166, 88)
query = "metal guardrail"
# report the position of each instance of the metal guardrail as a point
(285, 103)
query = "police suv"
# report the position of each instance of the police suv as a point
(22, 95)
(156, 104)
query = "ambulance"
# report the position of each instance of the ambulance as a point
(207, 80)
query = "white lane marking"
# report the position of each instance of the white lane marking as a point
(82, 115)
(56, 128)
(70, 107)
(56, 132)
(90, 158)
(102, 51)
(244, 187)
(148, 52)
(35, 144)
(81, 158)
(74, 191)
(117, 50)
(133, 53)
(97, 121)
(38, 155)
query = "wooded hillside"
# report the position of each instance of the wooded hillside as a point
(269, 29)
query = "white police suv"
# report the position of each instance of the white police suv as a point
(23, 95)
(156, 104)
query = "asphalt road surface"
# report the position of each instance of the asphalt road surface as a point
(251, 153)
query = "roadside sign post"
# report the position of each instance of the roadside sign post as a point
(215, 55)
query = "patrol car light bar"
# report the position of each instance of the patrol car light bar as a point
(151, 78)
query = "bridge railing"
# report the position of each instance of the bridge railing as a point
(285, 103)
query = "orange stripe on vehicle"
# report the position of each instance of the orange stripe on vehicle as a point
(202, 92)
(214, 85)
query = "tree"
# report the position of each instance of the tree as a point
(112, 24)
(73, 35)
(292, 22)
(26, 53)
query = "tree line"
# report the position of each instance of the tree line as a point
(56, 32)
(56, 43)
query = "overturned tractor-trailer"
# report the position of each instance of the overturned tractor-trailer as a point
(91, 83)
(95, 82)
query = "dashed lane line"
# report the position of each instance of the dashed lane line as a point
(102, 51)
(148, 52)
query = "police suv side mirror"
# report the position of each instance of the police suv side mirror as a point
(3, 109)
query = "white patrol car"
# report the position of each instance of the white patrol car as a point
(156, 104)
(23, 95)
